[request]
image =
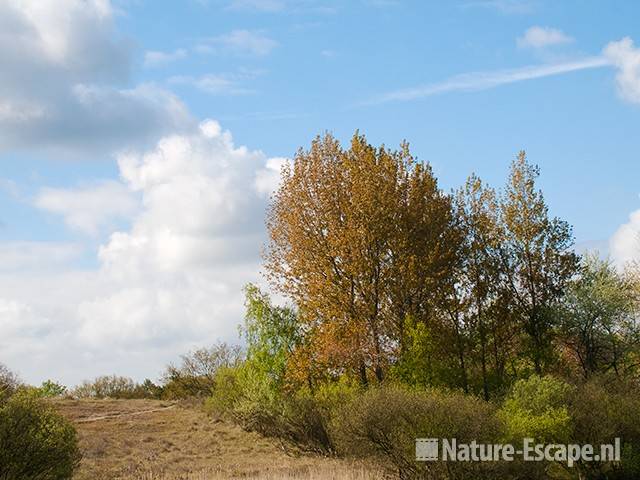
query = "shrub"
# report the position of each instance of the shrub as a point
(538, 408)
(383, 423)
(247, 397)
(9, 383)
(307, 415)
(107, 386)
(50, 389)
(226, 393)
(602, 411)
(301, 417)
(35, 441)
(195, 375)
(113, 386)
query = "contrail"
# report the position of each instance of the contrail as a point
(475, 81)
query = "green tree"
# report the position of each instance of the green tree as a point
(477, 288)
(272, 334)
(599, 319)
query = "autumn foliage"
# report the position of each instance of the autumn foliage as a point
(372, 252)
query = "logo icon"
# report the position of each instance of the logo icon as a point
(426, 449)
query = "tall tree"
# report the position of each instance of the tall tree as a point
(358, 238)
(536, 259)
(478, 213)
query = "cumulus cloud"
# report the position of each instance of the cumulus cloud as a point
(624, 245)
(540, 37)
(23, 256)
(19, 319)
(172, 280)
(626, 57)
(64, 81)
(91, 208)
(268, 178)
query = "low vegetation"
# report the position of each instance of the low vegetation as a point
(36, 442)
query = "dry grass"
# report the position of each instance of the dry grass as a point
(155, 440)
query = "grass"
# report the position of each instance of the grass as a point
(156, 440)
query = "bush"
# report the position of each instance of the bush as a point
(602, 411)
(9, 383)
(35, 441)
(538, 408)
(383, 423)
(107, 386)
(195, 375)
(308, 415)
(301, 417)
(247, 397)
(50, 389)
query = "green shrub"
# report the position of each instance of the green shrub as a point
(50, 389)
(303, 417)
(602, 411)
(226, 393)
(35, 442)
(538, 408)
(308, 415)
(248, 397)
(384, 423)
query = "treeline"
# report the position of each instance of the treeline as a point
(392, 277)
(192, 377)
(419, 313)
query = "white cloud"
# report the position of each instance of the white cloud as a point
(626, 57)
(179, 270)
(24, 256)
(540, 37)
(20, 321)
(64, 81)
(154, 58)
(238, 42)
(268, 178)
(89, 209)
(170, 281)
(469, 82)
(624, 245)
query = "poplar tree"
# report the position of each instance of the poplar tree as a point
(536, 260)
(359, 238)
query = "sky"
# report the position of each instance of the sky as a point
(140, 141)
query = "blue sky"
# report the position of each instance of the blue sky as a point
(128, 226)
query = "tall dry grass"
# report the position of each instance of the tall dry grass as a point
(333, 472)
